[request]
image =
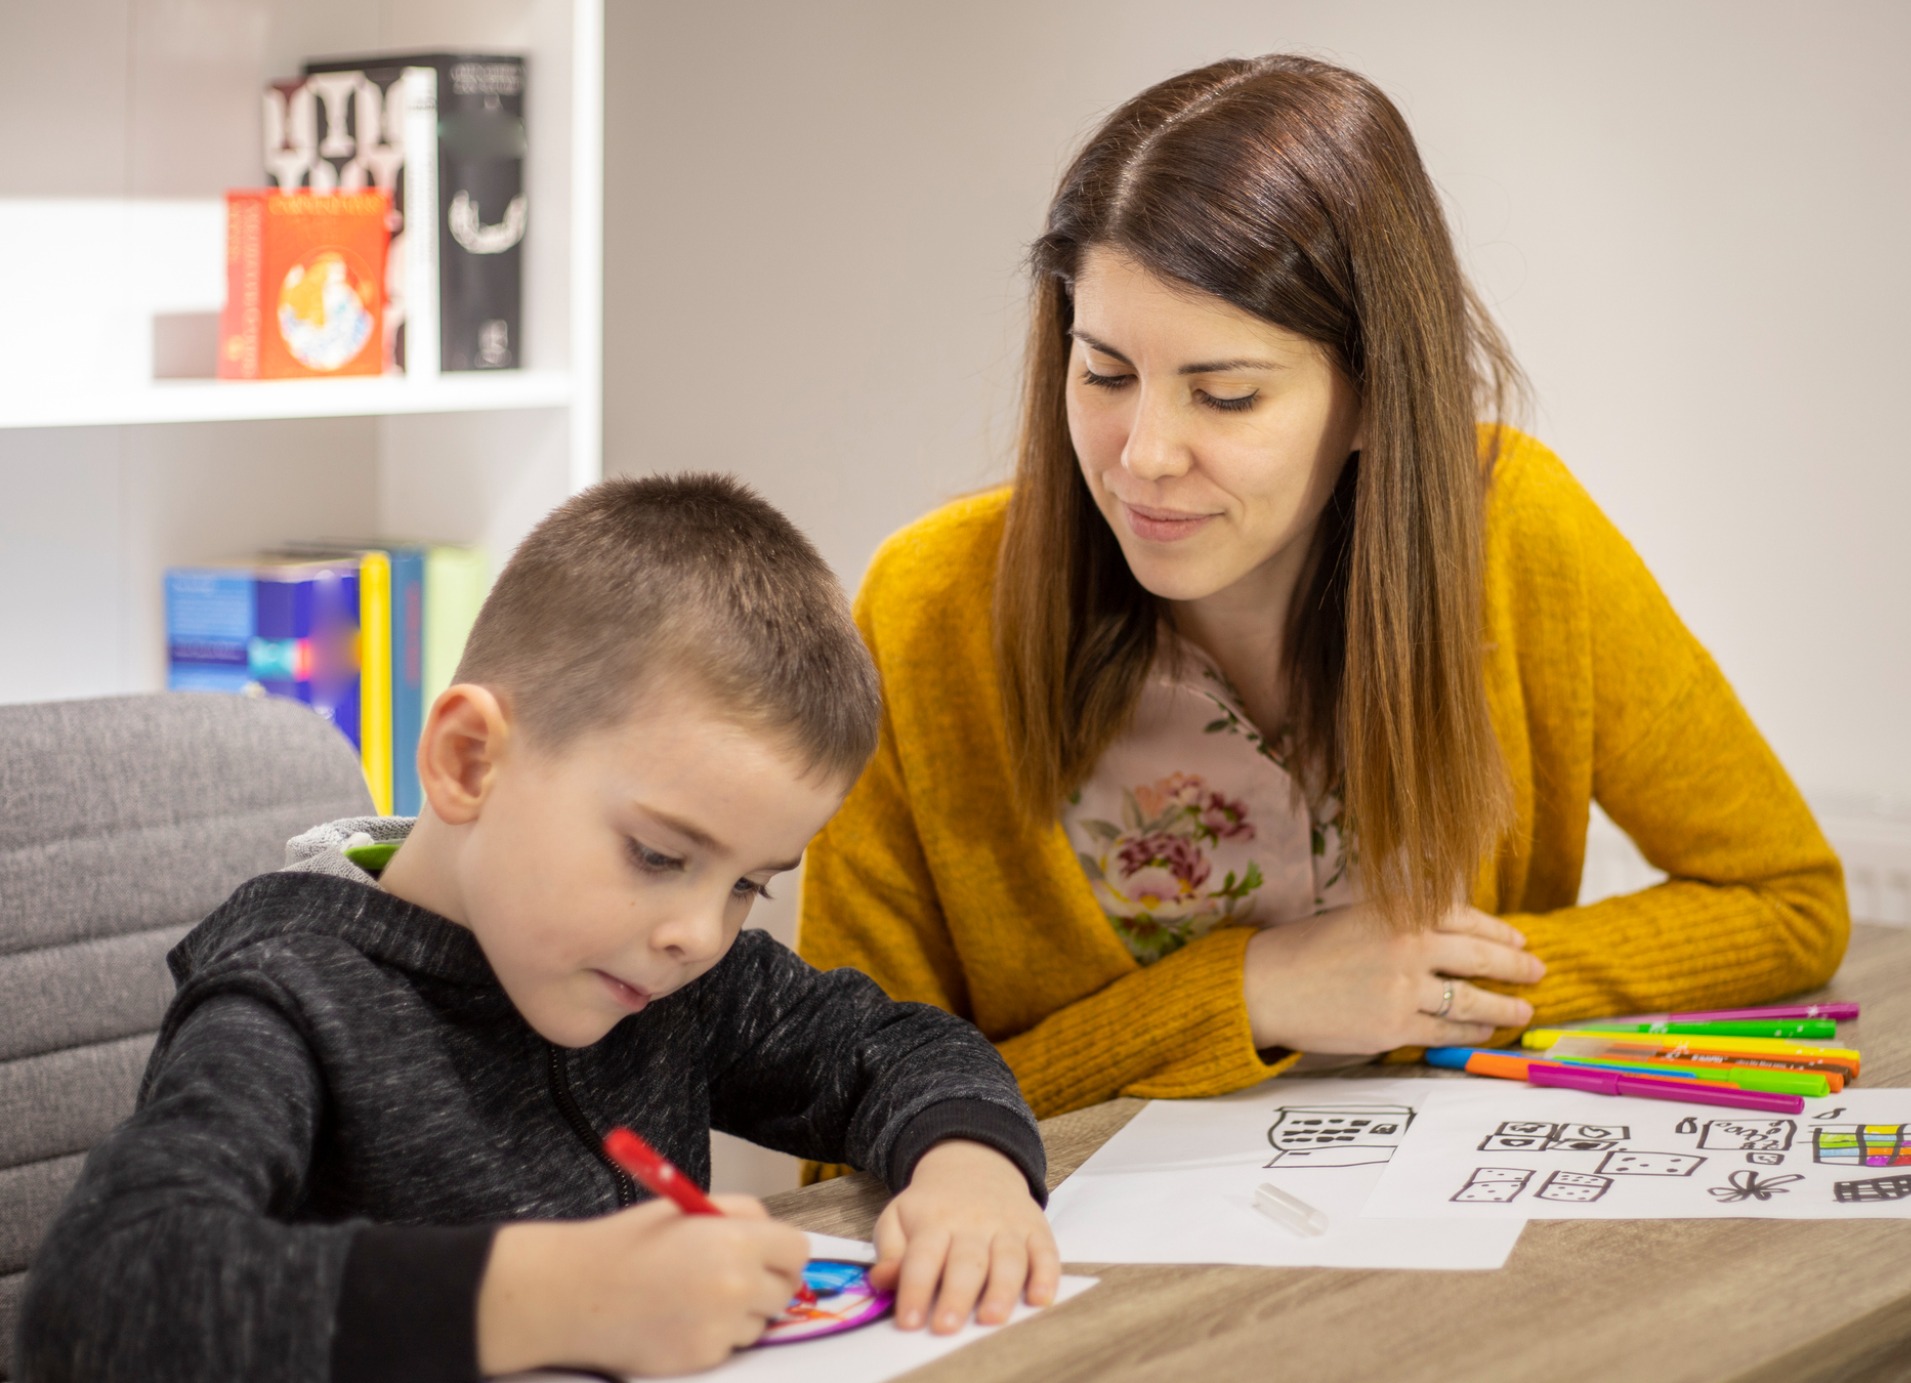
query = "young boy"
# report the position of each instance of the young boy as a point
(368, 1144)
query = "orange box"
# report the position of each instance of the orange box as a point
(305, 284)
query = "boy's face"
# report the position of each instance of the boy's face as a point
(604, 876)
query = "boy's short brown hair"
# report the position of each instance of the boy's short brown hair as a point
(639, 580)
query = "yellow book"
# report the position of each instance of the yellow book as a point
(374, 675)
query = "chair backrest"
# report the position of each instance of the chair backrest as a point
(123, 821)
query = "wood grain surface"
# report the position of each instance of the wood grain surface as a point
(1605, 1301)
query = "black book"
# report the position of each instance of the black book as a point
(481, 203)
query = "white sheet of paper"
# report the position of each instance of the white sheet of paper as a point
(1176, 1185)
(1485, 1150)
(874, 1354)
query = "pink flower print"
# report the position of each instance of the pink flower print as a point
(1176, 790)
(1226, 819)
(1162, 874)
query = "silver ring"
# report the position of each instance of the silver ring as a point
(1446, 1002)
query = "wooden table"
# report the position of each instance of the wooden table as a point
(1618, 1301)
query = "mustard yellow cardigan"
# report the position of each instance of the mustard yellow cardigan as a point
(927, 880)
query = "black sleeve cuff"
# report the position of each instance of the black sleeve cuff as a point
(980, 1121)
(408, 1305)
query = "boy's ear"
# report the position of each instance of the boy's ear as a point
(464, 738)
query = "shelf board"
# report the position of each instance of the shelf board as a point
(219, 401)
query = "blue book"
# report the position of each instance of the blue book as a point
(286, 628)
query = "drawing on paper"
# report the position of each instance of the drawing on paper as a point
(1894, 1188)
(1493, 1185)
(1861, 1145)
(841, 1298)
(1766, 1159)
(1527, 1135)
(1761, 1140)
(1687, 1125)
(1327, 1135)
(1582, 1187)
(1650, 1164)
(1830, 1113)
(1749, 1186)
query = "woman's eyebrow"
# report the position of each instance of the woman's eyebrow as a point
(1200, 367)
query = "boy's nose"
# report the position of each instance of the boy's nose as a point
(692, 936)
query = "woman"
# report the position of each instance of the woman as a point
(1264, 713)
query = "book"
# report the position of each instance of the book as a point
(394, 682)
(281, 627)
(352, 130)
(457, 579)
(373, 655)
(478, 179)
(305, 275)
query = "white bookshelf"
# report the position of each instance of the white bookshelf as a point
(130, 118)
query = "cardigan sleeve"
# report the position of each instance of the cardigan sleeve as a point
(1753, 906)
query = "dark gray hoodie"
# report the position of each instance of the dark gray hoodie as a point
(343, 1105)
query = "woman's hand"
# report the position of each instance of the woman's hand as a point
(646, 1290)
(965, 1226)
(1347, 982)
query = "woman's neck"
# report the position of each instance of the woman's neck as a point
(1243, 629)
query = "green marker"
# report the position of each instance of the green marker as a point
(1807, 1029)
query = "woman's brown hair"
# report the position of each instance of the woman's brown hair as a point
(1291, 189)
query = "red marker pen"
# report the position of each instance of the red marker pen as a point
(651, 1168)
(660, 1177)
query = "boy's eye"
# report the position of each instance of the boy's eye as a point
(745, 888)
(652, 861)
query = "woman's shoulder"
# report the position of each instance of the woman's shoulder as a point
(1536, 509)
(951, 551)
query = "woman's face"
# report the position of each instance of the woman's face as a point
(1209, 438)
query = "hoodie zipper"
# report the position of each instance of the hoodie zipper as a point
(574, 1116)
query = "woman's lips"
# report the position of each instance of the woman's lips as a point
(1161, 525)
(627, 995)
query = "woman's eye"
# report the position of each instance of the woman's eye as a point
(1089, 377)
(1234, 405)
(653, 861)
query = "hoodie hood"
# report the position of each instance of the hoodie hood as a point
(322, 895)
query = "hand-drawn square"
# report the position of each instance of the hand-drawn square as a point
(1519, 1142)
(1336, 1135)
(1766, 1159)
(1748, 1135)
(1892, 1188)
(1494, 1185)
(1581, 1187)
(1582, 1145)
(1650, 1164)
(1614, 1133)
(1528, 1126)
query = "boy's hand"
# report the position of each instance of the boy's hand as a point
(966, 1219)
(647, 1290)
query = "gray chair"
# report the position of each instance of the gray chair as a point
(123, 821)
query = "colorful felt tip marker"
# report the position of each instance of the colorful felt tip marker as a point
(656, 1173)
(1802, 1029)
(659, 1176)
(1839, 1013)
(1509, 1066)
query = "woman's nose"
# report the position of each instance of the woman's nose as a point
(1155, 449)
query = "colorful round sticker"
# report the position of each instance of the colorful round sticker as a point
(844, 1301)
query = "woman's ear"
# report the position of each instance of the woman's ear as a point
(464, 739)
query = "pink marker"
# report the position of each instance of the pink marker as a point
(1682, 1091)
(1838, 1013)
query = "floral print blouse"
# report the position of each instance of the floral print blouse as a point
(1193, 820)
